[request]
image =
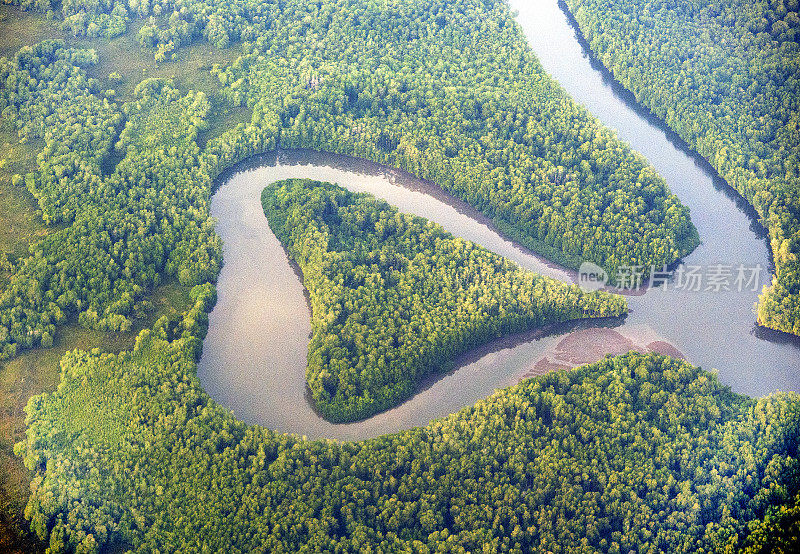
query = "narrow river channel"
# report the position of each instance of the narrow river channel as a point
(254, 356)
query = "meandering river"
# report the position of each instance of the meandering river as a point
(254, 355)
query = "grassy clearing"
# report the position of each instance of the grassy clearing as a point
(19, 223)
(18, 28)
(38, 371)
(222, 118)
(190, 68)
(34, 372)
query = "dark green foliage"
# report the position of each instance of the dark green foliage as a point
(450, 92)
(777, 532)
(47, 96)
(726, 77)
(394, 297)
(465, 105)
(631, 453)
(635, 452)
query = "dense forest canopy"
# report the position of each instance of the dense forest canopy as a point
(451, 93)
(633, 452)
(726, 77)
(394, 297)
(637, 452)
(120, 234)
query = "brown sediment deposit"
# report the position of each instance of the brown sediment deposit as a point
(661, 347)
(589, 345)
(544, 365)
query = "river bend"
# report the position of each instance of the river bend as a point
(254, 355)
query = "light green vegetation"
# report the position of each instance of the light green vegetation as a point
(38, 371)
(452, 94)
(190, 69)
(449, 91)
(19, 224)
(18, 28)
(572, 187)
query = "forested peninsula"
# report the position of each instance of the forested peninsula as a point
(726, 77)
(395, 297)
